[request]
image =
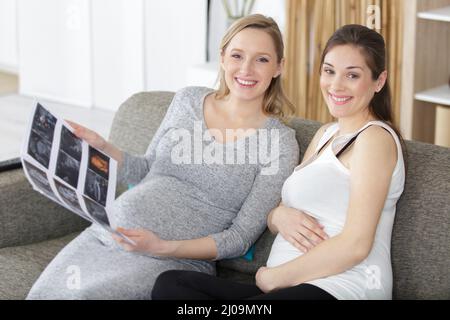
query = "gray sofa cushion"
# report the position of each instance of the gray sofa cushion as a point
(137, 120)
(39, 218)
(421, 234)
(21, 266)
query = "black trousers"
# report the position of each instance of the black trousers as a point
(191, 285)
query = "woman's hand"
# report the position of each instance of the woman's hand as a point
(91, 137)
(297, 227)
(267, 279)
(96, 140)
(146, 242)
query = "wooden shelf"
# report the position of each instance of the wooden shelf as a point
(439, 95)
(441, 14)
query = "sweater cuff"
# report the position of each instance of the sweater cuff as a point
(226, 248)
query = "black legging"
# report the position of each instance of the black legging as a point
(191, 285)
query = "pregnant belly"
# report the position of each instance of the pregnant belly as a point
(283, 251)
(169, 208)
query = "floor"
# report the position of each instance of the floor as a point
(15, 113)
(8, 83)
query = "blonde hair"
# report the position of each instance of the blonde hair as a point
(275, 102)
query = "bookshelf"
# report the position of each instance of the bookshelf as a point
(440, 14)
(425, 102)
(439, 95)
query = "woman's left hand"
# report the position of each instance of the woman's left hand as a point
(146, 241)
(266, 279)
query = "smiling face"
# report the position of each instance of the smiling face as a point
(250, 63)
(347, 83)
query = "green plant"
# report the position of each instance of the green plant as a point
(240, 9)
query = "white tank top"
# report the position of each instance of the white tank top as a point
(321, 188)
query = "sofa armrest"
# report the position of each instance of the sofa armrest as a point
(27, 217)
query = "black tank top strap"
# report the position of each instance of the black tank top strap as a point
(350, 142)
(323, 145)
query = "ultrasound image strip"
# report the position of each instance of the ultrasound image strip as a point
(41, 136)
(44, 123)
(96, 187)
(97, 212)
(98, 162)
(71, 144)
(39, 178)
(69, 196)
(39, 148)
(67, 168)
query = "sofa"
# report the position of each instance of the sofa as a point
(33, 229)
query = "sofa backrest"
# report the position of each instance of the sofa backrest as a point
(137, 120)
(420, 246)
(421, 234)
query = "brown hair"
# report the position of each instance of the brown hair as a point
(275, 102)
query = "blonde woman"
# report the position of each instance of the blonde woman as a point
(186, 212)
(350, 181)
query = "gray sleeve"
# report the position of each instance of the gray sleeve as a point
(265, 195)
(134, 168)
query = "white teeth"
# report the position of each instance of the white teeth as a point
(245, 82)
(339, 99)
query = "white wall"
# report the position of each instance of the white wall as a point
(272, 8)
(218, 26)
(175, 40)
(118, 51)
(8, 36)
(54, 50)
(99, 52)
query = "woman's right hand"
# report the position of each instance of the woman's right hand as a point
(91, 137)
(97, 141)
(297, 227)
